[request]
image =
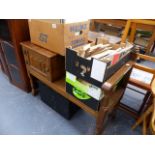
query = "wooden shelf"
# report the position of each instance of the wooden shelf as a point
(60, 87)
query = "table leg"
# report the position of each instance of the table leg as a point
(102, 115)
(34, 92)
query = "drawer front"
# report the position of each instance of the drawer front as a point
(37, 62)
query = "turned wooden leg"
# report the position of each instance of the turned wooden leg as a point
(34, 92)
(101, 116)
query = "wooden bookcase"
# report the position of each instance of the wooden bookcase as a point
(12, 32)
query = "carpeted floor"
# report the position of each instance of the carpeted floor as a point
(22, 113)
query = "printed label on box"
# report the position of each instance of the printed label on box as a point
(95, 92)
(54, 26)
(71, 76)
(77, 28)
(142, 76)
(98, 70)
(77, 42)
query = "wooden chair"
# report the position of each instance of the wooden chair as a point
(148, 117)
(141, 85)
(132, 24)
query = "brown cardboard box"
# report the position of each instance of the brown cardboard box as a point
(55, 36)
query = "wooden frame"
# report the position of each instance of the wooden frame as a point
(148, 25)
(132, 23)
(142, 85)
(120, 23)
(145, 117)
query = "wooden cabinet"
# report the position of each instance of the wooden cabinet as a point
(12, 32)
(45, 63)
(4, 65)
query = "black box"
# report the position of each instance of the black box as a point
(57, 102)
(73, 63)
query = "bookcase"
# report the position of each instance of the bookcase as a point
(12, 32)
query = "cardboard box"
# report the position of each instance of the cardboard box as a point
(56, 34)
(93, 70)
(84, 91)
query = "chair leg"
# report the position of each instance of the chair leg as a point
(144, 126)
(143, 119)
(138, 122)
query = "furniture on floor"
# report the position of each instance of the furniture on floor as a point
(119, 23)
(113, 22)
(142, 85)
(133, 25)
(12, 32)
(113, 88)
(147, 118)
(135, 82)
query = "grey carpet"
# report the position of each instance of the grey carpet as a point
(22, 113)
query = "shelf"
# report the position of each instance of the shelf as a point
(60, 87)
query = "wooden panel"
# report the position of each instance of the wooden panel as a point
(39, 63)
(44, 62)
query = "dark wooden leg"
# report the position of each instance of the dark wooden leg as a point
(101, 115)
(34, 92)
(1, 66)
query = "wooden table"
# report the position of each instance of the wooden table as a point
(113, 88)
(110, 100)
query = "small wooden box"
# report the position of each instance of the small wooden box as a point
(43, 62)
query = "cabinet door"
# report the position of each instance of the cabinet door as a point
(1, 66)
(39, 63)
(4, 63)
(12, 63)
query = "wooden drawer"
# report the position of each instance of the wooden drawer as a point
(44, 62)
